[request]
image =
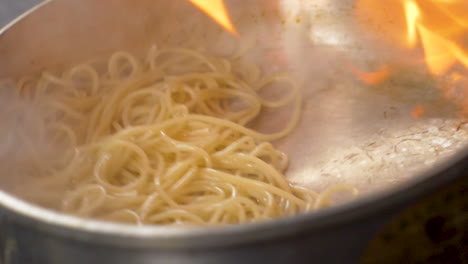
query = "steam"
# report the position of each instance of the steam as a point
(27, 151)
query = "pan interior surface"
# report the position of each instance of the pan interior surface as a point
(350, 132)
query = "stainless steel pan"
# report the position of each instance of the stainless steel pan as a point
(350, 132)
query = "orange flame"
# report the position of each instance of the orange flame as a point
(412, 17)
(440, 27)
(418, 111)
(436, 28)
(216, 9)
(440, 45)
(371, 78)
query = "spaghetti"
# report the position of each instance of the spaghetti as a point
(165, 140)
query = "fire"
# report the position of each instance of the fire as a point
(412, 17)
(436, 29)
(439, 27)
(371, 78)
(441, 45)
(418, 111)
(216, 9)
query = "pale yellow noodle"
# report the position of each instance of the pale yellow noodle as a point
(165, 140)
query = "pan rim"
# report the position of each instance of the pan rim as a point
(164, 237)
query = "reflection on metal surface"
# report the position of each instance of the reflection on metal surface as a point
(376, 145)
(396, 124)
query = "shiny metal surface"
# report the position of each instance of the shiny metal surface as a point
(349, 133)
